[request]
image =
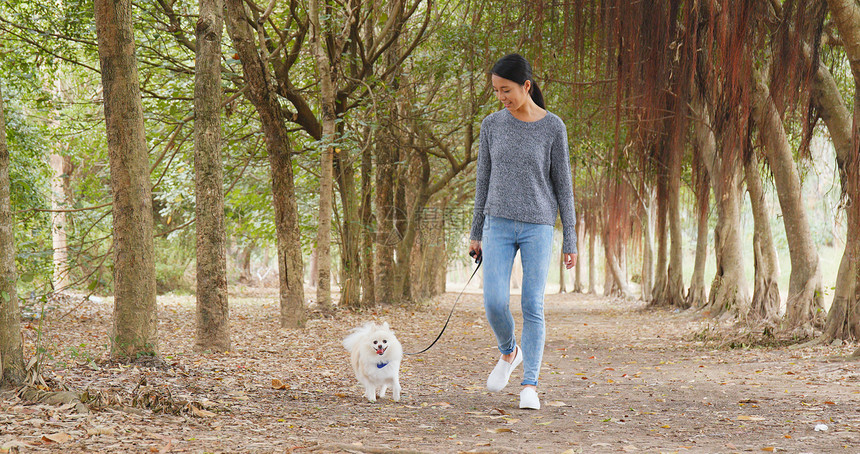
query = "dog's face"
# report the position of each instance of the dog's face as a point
(379, 342)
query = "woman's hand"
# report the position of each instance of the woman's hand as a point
(569, 260)
(475, 246)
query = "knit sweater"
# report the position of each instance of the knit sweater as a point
(524, 174)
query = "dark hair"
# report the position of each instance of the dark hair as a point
(516, 68)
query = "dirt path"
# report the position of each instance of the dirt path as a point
(615, 379)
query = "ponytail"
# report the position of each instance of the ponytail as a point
(536, 94)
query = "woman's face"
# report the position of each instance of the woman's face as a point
(512, 95)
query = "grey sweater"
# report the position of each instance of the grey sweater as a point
(524, 174)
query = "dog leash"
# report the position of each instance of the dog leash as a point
(478, 260)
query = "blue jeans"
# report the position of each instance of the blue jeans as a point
(500, 241)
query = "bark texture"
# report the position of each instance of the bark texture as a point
(662, 238)
(135, 331)
(674, 291)
(846, 14)
(729, 293)
(592, 271)
(577, 272)
(62, 168)
(350, 230)
(264, 98)
(213, 327)
(327, 73)
(697, 296)
(766, 299)
(843, 318)
(11, 350)
(804, 304)
(368, 282)
(647, 245)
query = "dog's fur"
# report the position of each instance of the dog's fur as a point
(375, 354)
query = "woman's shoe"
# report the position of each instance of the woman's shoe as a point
(500, 375)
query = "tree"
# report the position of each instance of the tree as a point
(213, 330)
(327, 71)
(697, 295)
(729, 293)
(134, 326)
(11, 350)
(804, 303)
(766, 299)
(843, 321)
(264, 97)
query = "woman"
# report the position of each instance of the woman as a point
(523, 181)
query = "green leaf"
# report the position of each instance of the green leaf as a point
(5, 296)
(27, 277)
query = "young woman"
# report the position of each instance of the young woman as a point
(523, 182)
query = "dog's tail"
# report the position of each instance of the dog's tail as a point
(356, 334)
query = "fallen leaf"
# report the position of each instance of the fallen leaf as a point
(557, 403)
(277, 384)
(499, 430)
(60, 437)
(768, 449)
(202, 413)
(749, 418)
(101, 430)
(629, 448)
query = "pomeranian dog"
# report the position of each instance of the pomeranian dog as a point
(375, 354)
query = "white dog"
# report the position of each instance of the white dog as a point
(375, 355)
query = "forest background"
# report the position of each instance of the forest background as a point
(327, 149)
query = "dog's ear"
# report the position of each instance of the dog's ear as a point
(385, 326)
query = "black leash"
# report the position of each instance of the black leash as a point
(478, 260)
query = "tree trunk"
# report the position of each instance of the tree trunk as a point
(327, 73)
(661, 271)
(386, 235)
(846, 14)
(561, 279)
(647, 246)
(766, 298)
(350, 249)
(12, 372)
(697, 296)
(368, 283)
(615, 270)
(245, 264)
(60, 200)
(592, 271)
(135, 330)
(843, 318)
(213, 316)
(729, 293)
(577, 273)
(674, 294)
(805, 309)
(429, 255)
(267, 104)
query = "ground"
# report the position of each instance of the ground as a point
(615, 378)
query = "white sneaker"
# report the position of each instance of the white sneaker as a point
(500, 375)
(529, 398)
